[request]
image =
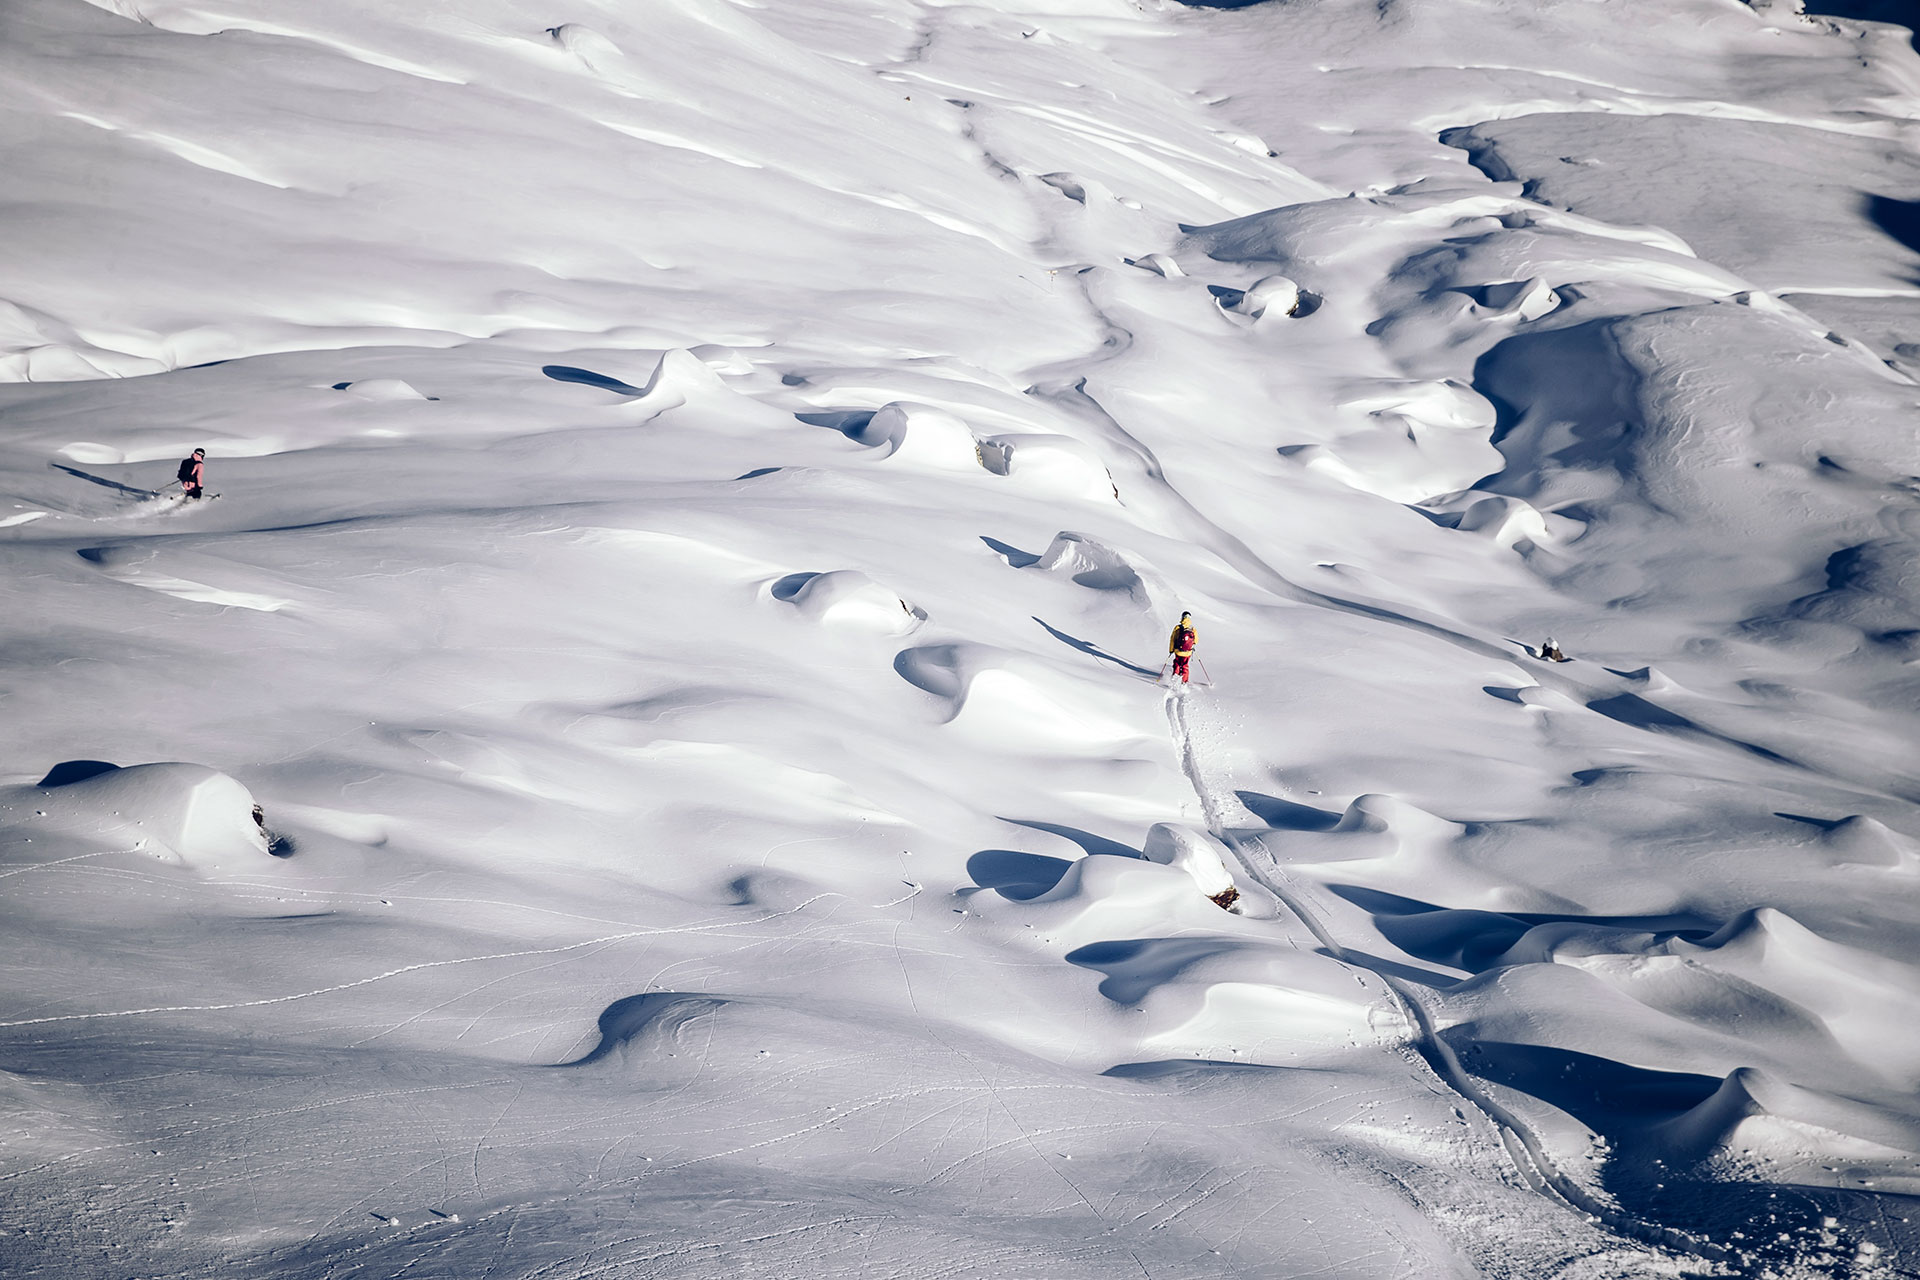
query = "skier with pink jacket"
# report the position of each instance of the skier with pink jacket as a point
(1180, 645)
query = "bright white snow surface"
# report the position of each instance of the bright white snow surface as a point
(705, 486)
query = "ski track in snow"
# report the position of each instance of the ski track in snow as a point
(1530, 1160)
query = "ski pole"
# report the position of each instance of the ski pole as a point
(1203, 669)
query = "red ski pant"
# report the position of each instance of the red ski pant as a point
(1180, 664)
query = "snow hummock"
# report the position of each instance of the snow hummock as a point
(184, 815)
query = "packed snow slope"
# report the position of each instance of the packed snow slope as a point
(704, 486)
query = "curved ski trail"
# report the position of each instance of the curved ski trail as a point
(1522, 1145)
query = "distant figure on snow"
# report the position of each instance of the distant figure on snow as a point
(190, 473)
(1180, 645)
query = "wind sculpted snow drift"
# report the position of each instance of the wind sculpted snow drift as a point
(705, 489)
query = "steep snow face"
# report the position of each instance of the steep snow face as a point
(702, 494)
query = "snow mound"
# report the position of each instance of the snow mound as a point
(922, 435)
(646, 1028)
(1092, 564)
(586, 44)
(1275, 293)
(683, 380)
(1416, 440)
(1192, 851)
(1818, 1035)
(382, 390)
(1853, 990)
(1023, 706)
(1376, 814)
(679, 377)
(849, 598)
(37, 347)
(91, 452)
(1209, 990)
(185, 815)
(1391, 844)
(1426, 403)
(1519, 299)
(1284, 1012)
(55, 362)
(1057, 465)
(1506, 522)
(1798, 1135)
(1860, 841)
(1158, 263)
(165, 569)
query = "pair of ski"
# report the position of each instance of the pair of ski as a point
(1166, 676)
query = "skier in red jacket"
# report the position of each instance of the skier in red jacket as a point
(189, 475)
(1180, 645)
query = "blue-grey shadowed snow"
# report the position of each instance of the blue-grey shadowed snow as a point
(1094, 650)
(1480, 940)
(789, 587)
(1085, 839)
(848, 422)
(1135, 966)
(1231, 299)
(1632, 709)
(102, 481)
(1471, 940)
(1481, 153)
(1171, 1068)
(1013, 555)
(652, 1017)
(588, 378)
(1016, 875)
(1431, 979)
(1824, 824)
(75, 771)
(757, 472)
(1285, 815)
(1598, 1091)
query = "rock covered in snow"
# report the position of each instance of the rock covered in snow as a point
(1192, 851)
(185, 815)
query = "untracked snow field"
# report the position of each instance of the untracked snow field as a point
(704, 487)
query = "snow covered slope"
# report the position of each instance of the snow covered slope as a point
(704, 486)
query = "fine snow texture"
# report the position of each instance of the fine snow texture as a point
(703, 491)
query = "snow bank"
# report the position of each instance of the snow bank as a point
(184, 815)
(921, 435)
(849, 598)
(1192, 851)
(1050, 464)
